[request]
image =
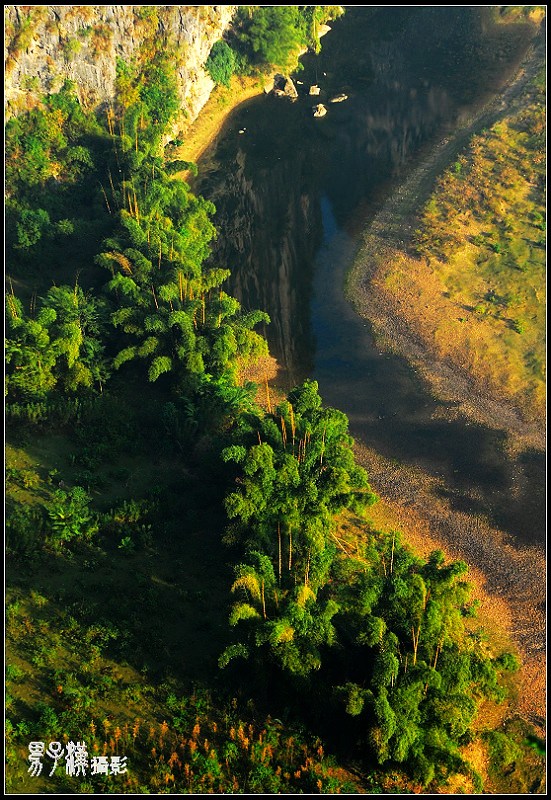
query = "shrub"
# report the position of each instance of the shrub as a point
(221, 63)
(70, 517)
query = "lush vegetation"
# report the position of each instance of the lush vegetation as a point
(263, 37)
(150, 496)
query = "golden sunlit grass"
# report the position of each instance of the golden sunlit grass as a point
(485, 286)
(222, 101)
(458, 285)
(475, 290)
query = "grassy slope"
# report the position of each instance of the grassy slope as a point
(92, 632)
(482, 242)
(99, 637)
(471, 285)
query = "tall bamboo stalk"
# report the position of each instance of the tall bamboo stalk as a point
(105, 197)
(110, 115)
(415, 636)
(154, 297)
(12, 307)
(283, 433)
(279, 552)
(290, 548)
(112, 187)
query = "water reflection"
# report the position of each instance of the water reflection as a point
(269, 225)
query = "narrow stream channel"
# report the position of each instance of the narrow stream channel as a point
(292, 195)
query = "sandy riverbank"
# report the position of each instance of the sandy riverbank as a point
(222, 101)
(509, 579)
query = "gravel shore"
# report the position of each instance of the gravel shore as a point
(509, 578)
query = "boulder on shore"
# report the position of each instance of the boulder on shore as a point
(284, 87)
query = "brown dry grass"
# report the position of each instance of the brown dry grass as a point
(509, 581)
(404, 298)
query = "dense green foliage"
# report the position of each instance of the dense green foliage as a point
(49, 151)
(263, 37)
(272, 34)
(384, 631)
(148, 490)
(294, 481)
(58, 345)
(221, 63)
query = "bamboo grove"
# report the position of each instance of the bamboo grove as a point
(376, 631)
(378, 647)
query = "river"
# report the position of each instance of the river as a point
(293, 194)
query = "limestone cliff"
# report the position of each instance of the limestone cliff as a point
(44, 45)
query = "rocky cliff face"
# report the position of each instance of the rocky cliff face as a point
(269, 222)
(45, 45)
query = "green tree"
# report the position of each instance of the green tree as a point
(78, 332)
(221, 63)
(272, 35)
(275, 35)
(70, 516)
(171, 308)
(29, 353)
(416, 675)
(289, 487)
(60, 345)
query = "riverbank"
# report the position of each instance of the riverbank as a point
(222, 101)
(396, 319)
(508, 579)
